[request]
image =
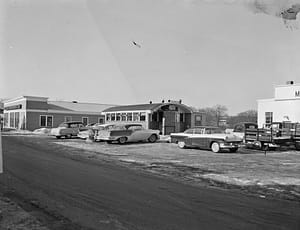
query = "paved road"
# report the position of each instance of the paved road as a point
(104, 195)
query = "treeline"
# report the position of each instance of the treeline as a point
(218, 116)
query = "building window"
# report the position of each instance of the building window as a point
(118, 116)
(85, 120)
(108, 116)
(11, 120)
(142, 116)
(17, 119)
(135, 116)
(113, 117)
(68, 118)
(6, 119)
(100, 120)
(269, 117)
(49, 121)
(46, 121)
(198, 120)
(181, 119)
(129, 116)
(123, 116)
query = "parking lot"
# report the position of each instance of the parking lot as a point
(277, 172)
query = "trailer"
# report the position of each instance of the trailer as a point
(275, 135)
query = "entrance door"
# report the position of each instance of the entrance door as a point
(170, 122)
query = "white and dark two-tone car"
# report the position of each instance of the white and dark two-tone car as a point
(127, 133)
(211, 138)
(68, 129)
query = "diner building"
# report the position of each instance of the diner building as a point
(285, 106)
(30, 112)
(172, 116)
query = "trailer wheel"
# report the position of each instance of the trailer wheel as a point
(258, 144)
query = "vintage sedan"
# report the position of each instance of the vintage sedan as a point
(128, 133)
(212, 138)
(175, 137)
(91, 130)
(68, 129)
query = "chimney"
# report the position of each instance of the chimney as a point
(163, 101)
(150, 102)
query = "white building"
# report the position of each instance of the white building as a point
(285, 106)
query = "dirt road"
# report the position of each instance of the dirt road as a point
(69, 192)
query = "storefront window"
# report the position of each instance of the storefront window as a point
(108, 116)
(135, 116)
(142, 116)
(113, 116)
(46, 121)
(5, 119)
(123, 116)
(129, 116)
(49, 121)
(11, 120)
(43, 121)
(118, 116)
(17, 118)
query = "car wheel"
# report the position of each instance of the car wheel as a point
(152, 138)
(215, 147)
(58, 137)
(233, 150)
(122, 140)
(181, 144)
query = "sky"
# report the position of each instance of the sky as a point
(205, 52)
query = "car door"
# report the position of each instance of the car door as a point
(138, 133)
(198, 138)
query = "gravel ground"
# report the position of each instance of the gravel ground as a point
(13, 217)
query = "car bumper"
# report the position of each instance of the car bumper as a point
(229, 145)
(106, 138)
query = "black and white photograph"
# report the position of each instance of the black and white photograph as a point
(149, 114)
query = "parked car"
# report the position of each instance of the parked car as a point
(212, 138)
(175, 137)
(128, 133)
(67, 129)
(92, 130)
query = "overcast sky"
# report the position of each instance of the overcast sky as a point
(203, 52)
